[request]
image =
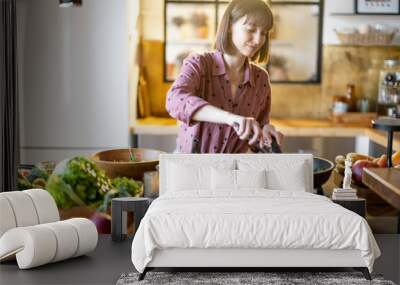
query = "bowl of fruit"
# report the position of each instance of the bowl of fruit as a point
(361, 161)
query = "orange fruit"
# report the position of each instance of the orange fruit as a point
(396, 158)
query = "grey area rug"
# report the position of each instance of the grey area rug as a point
(231, 278)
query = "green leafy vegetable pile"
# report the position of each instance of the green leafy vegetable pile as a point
(82, 183)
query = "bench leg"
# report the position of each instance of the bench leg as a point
(117, 220)
(364, 271)
(143, 274)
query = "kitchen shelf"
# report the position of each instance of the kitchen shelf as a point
(347, 45)
(355, 14)
(374, 45)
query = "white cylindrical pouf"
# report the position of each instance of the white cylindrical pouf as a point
(23, 208)
(34, 245)
(40, 247)
(67, 239)
(45, 205)
(7, 218)
(87, 235)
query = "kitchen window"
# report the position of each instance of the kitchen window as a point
(295, 55)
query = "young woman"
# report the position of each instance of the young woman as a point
(223, 100)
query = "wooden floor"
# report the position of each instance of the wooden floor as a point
(110, 260)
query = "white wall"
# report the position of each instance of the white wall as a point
(73, 75)
(346, 6)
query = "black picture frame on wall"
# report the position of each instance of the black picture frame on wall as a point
(377, 7)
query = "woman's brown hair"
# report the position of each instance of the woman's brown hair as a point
(256, 9)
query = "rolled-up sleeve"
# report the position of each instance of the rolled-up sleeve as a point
(265, 111)
(183, 98)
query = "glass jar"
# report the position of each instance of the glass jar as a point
(388, 78)
(340, 104)
(151, 184)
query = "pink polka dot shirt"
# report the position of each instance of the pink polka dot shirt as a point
(203, 80)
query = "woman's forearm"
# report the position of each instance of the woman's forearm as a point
(245, 127)
(213, 114)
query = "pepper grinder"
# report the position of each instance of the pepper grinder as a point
(273, 148)
(390, 125)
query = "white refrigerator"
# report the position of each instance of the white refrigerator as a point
(73, 78)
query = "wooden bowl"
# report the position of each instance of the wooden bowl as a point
(117, 163)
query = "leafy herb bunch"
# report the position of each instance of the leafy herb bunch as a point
(82, 183)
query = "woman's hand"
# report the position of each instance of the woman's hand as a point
(269, 131)
(246, 128)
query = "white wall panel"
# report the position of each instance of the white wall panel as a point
(73, 74)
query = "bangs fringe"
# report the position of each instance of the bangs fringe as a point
(261, 20)
(256, 10)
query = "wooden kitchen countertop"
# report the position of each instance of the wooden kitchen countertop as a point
(317, 128)
(385, 182)
(289, 127)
